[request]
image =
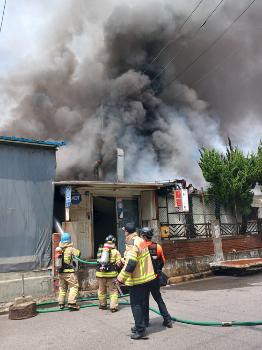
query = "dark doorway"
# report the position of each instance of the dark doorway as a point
(59, 206)
(104, 212)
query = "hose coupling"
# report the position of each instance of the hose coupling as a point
(227, 324)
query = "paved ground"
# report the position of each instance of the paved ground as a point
(217, 299)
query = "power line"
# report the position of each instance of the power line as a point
(179, 30)
(215, 68)
(2, 20)
(211, 13)
(177, 76)
(192, 37)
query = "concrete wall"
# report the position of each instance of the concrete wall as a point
(198, 264)
(36, 283)
(193, 256)
(87, 278)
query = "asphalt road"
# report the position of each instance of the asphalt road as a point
(214, 299)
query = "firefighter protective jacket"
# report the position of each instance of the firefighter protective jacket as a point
(115, 259)
(138, 268)
(69, 252)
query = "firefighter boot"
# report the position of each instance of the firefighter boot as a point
(168, 324)
(102, 307)
(136, 336)
(133, 329)
(114, 310)
(73, 307)
(61, 306)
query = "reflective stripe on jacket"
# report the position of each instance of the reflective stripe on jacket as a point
(115, 258)
(69, 252)
(138, 268)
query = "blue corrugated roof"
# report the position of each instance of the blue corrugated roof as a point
(33, 141)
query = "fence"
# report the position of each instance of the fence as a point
(197, 223)
(190, 231)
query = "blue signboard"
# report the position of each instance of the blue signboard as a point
(67, 196)
(76, 197)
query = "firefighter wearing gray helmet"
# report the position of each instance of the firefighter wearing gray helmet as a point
(158, 260)
(108, 265)
(137, 273)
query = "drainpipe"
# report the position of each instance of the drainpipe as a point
(120, 165)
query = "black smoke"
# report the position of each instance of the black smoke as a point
(114, 96)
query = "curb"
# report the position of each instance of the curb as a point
(190, 277)
(4, 310)
(172, 280)
(4, 307)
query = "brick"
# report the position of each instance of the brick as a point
(185, 248)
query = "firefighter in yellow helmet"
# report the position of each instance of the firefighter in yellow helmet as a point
(67, 273)
(108, 265)
(137, 272)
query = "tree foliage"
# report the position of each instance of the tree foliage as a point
(232, 176)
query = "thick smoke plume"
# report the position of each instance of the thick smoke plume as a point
(108, 94)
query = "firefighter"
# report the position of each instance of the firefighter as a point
(158, 260)
(108, 265)
(137, 272)
(67, 273)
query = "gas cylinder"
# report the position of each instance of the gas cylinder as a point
(58, 258)
(104, 256)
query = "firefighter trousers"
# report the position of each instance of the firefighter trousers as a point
(153, 287)
(68, 280)
(137, 302)
(104, 284)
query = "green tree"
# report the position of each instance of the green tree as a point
(231, 177)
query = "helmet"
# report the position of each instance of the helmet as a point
(130, 227)
(65, 237)
(110, 238)
(147, 231)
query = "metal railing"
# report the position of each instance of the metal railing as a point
(191, 231)
(235, 229)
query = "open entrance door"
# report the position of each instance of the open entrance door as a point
(110, 215)
(127, 211)
(104, 219)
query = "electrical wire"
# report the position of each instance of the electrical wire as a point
(192, 37)
(178, 31)
(213, 43)
(215, 68)
(3, 14)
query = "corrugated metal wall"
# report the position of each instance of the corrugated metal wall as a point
(26, 206)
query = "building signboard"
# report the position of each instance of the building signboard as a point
(181, 200)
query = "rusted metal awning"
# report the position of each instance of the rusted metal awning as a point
(238, 266)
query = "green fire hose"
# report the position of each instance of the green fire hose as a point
(176, 319)
(85, 262)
